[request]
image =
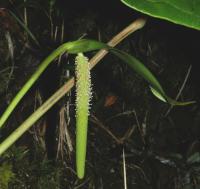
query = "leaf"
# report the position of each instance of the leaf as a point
(84, 45)
(184, 12)
(170, 100)
(143, 71)
(157, 94)
(140, 69)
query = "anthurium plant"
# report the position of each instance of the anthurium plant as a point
(83, 88)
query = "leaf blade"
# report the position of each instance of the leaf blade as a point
(143, 71)
(182, 12)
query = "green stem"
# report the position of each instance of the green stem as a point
(31, 81)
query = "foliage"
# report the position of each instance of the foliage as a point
(182, 12)
(26, 171)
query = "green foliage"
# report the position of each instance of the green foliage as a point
(184, 12)
(6, 175)
(21, 169)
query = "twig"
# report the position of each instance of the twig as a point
(136, 25)
(139, 127)
(64, 136)
(11, 52)
(121, 140)
(101, 125)
(180, 90)
(124, 170)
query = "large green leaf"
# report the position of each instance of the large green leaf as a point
(184, 12)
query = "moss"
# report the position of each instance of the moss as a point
(6, 175)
